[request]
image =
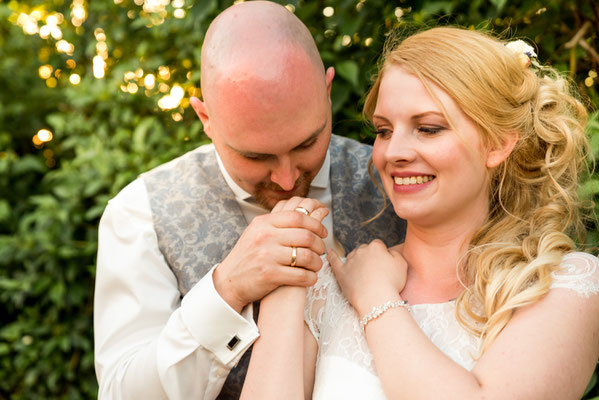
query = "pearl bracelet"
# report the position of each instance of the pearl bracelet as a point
(378, 311)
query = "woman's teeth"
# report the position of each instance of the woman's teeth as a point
(413, 180)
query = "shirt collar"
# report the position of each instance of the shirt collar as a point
(321, 180)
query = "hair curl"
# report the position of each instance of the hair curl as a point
(534, 212)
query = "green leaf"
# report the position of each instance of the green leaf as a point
(591, 384)
(589, 189)
(27, 165)
(499, 4)
(140, 133)
(5, 210)
(349, 71)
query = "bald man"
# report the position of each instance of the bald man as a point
(187, 250)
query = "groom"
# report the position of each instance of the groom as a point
(186, 249)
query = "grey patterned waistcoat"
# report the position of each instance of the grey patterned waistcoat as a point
(198, 221)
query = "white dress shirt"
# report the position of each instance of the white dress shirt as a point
(150, 344)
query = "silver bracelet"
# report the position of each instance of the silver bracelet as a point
(378, 311)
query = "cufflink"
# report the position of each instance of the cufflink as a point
(233, 342)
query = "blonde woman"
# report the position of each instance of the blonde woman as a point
(487, 298)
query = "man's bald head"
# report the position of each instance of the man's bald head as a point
(267, 104)
(256, 40)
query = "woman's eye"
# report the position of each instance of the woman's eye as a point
(430, 130)
(383, 133)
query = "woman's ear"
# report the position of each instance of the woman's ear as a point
(500, 152)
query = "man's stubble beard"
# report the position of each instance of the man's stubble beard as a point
(264, 197)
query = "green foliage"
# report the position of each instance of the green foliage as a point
(106, 131)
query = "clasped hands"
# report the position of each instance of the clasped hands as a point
(292, 234)
(262, 259)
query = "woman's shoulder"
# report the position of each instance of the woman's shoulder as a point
(578, 271)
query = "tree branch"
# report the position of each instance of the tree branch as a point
(578, 36)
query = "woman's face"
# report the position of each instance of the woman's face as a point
(432, 174)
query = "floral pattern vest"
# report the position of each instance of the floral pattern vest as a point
(198, 221)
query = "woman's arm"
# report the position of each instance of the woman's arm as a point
(280, 359)
(283, 358)
(548, 350)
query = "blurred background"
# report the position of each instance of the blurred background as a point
(94, 93)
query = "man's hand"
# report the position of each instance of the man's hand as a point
(262, 257)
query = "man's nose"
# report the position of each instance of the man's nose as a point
(285, 173)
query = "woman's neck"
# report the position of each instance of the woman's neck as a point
(434, 255)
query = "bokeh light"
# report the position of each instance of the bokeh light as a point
(163, 88)
(164, 73)
(173, 99)
(44, 135)
(65, 47)
(45, 71)
(99, 66)
(75, 79)
(78, 13)
(328, 11)
(150, 81)
(132, 88)
(29, 23)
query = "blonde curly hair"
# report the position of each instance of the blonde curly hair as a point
(534, 214)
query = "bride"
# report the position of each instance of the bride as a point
(487, 297)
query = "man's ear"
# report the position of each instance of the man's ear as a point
(330, 74)
(500, 152)
(200, 108)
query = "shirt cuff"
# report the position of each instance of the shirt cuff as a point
(214, 324)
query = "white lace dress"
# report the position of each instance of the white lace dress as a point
(345, 367)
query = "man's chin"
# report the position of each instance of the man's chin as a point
(269, 195)
(269, 198)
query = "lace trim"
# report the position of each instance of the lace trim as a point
(577, 272)
(335, 324)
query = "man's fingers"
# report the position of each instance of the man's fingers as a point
(320, 213)
(279, 206)
(291, 276)
(298, 277)
(305, 258)
(294, 219)
(302, 205)
(301, 238)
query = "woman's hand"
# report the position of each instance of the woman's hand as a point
(371, 275)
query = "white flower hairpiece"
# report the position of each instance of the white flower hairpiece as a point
(524, 51)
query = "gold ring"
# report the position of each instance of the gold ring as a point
(293, 256)
(302, 210)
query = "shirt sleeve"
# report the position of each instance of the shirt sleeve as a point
(149, 343)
